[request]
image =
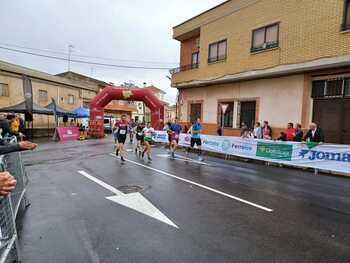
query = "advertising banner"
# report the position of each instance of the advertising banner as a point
(160, 136)
(331, 157)
(68, 133)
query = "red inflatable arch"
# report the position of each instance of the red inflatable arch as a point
(97, 104)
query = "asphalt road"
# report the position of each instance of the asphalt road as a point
(218, 211)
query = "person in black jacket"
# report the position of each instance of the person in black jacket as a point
(4, 125)
(21, 146)
(314, 134)
(299, 134)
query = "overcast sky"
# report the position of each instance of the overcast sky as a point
(131, 32)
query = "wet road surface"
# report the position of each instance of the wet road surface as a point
(218, 211)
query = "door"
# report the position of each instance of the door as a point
(346, 122)
(248, 111)
(328, 114)
(195, 111)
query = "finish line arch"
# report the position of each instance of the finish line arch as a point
(109, 93)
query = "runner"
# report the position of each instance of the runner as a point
(115, 135)
(175, 135)
(139, 138)
(131, 129)
(121, 136)
(167, 128)
(148, 132)
(195, 131)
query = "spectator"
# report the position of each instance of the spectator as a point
(290, 132)
(21, 123)
(267, 131)
(314, 134)
(7, 183)
(21, 146)
(244, 129)
(283, 137)
(219, 131)
(298, 133)
(14, 125)
(258, 131)
(4, 125)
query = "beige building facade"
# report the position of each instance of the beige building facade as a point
(68, 94)
(280, 61)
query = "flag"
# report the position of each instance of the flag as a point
(54, 109)
(28, 94)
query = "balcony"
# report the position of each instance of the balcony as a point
(184, 68)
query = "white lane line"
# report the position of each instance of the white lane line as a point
(101, 183)
(181, 158)
(201, 186)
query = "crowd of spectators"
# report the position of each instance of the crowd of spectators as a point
(291, 133)
(11, 125)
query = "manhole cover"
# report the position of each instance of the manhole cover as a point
(127, 189)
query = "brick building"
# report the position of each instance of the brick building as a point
(282, 61)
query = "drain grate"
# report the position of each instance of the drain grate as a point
(128, 189)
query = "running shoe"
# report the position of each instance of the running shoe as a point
(173, 155)
(117, 152)
(122, 158)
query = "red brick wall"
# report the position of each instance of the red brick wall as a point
(188, 47)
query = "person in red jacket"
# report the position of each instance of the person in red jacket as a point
(290, 132)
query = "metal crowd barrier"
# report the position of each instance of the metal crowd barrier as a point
(12, 206)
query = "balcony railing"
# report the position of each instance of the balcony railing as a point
(184, 68)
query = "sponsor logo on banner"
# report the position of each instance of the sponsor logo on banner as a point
(211, 143)
(313, 155)
(274, 151)
(160, 136)
(226, 145)
(240, 147)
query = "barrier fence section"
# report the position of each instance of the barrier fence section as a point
(328, 157)
(12, 206)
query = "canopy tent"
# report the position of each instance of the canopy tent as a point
(61, 111)
(21, 108)
(82, 112)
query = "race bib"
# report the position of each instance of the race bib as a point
(122, 132)
(139, 133)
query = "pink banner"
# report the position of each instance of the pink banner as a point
(68, 133)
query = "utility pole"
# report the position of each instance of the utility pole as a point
(70, 50)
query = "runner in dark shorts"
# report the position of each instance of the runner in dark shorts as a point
(174, 137)
(139, 138)
(121, 136)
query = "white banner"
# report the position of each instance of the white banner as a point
(330, 157)
(160, 136)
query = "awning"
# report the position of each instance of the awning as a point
(82, 112)
(61, 111)
(21, 108)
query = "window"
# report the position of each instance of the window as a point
(334, 88)
(265, 38)
(195, 111)
(347, 87)
(228, 116)
(330, 88)
(71, 99)
(86, 104)
(217, 51)
(346, 18)
(43, 96)
(247, 113)
(195, 60)
(4, 90)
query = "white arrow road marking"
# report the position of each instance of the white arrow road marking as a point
(200, 185)
(134, 201)
(181, 158)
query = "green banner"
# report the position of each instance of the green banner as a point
(274, 151)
